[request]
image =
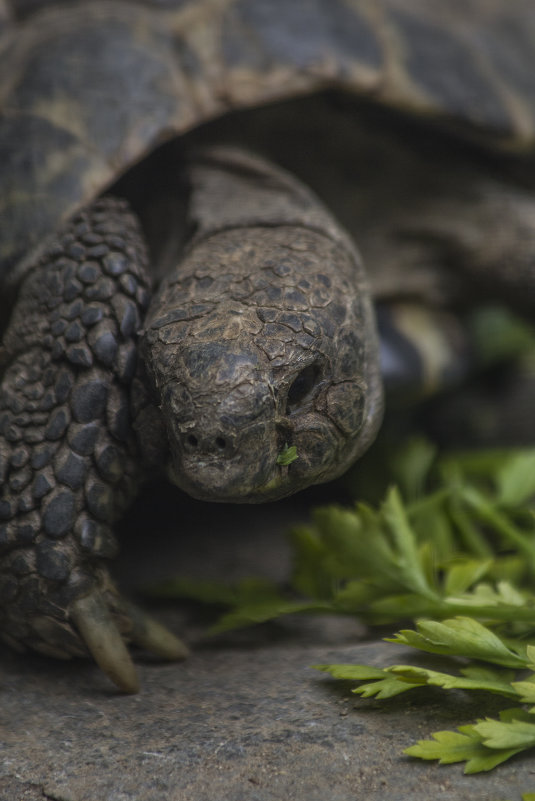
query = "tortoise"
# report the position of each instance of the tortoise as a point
(118, 364)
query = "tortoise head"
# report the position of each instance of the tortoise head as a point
(263, 339)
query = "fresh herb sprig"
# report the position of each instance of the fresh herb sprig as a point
(466, 546)
(452, 546)
(488, 742)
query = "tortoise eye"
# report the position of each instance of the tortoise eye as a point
(302, 386)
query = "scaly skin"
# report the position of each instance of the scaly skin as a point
(254, 341)
(263, 336)
(67, 450)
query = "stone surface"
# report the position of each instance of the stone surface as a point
(245, 718)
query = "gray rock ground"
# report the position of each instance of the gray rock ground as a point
(244, 719)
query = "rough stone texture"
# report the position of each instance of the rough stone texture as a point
(245, 718)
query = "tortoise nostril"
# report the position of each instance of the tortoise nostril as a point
(302, 386)
(206, 444)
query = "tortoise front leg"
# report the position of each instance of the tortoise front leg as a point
(68, 459)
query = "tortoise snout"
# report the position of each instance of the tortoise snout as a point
(203, 443)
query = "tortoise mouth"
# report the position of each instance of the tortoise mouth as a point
(219, 482)
(250, 468)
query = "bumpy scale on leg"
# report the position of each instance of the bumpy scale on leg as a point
(67, 456)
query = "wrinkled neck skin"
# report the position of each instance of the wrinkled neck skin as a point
(262, 337)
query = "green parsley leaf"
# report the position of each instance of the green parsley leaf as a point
(460, 636)
(517, 734)
(463, 745)
(385, 684)
(526, 690)
(515, 480)
(287, 455)
(452, 547)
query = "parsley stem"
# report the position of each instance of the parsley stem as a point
(472, 538)
(490, 514)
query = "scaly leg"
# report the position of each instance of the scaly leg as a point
(68, 460)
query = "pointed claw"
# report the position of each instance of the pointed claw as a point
(99, 632)
(153, 636)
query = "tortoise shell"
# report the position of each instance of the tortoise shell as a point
(89, 89)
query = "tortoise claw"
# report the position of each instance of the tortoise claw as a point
(104, 641)
(147, 633)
